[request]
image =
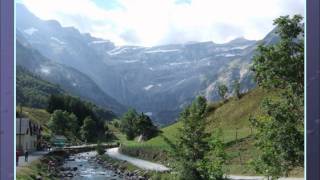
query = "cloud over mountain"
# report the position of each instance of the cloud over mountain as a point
(155, 22)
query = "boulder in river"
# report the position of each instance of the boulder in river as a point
(69, 174)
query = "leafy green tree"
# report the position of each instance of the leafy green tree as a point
(192, 143)
(213, 166)
(57, 122)
(88, 130)
(128, 123)
(73, 124)
(236, 88)
(282, 65)
(145, 127)
(222, 90)
(279, 137)
(280, 128)
(62, 123)
(107, 132)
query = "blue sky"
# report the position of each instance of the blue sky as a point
(108, 4)
(155, 22)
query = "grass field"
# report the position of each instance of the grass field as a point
(232, 117)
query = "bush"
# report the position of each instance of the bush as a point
(100, 149)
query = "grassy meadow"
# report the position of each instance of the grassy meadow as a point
(231, 116)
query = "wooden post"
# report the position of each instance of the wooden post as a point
(236, 134)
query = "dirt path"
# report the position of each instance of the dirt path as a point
(114, 153)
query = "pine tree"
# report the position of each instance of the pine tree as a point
(222, 90)
(192, 144)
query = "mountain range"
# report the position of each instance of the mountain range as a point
(158, 80)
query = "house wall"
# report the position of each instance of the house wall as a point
(27, 142)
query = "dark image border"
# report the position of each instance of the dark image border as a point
(313, 90)
(7, 147)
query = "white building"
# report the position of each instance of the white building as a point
(27, 134)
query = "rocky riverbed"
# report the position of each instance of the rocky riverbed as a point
(88, 165)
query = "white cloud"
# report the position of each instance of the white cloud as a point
(151, 22)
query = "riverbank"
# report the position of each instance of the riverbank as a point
(134, 172)
(146, 165)
(129, 171)
(43, 168)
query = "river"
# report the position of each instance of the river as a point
(87, 168)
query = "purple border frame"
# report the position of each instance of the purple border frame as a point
(313, 90)
(7, 89)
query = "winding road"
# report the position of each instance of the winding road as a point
(147, 165)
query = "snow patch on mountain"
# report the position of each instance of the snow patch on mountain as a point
(240, 47)
(117, 50)
(178, 63)
(229, 55)
(45, 70)
(57, 40)
(30, 31)
(181, 81)
(162, 51)
(147, 88)
(98, 42)
(131, 61)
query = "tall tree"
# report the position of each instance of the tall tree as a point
(63, 123)
(236, 88)
(280, 127)
(145, 127)
(282, 65)
(222, 90)
(279, 137)
(192, 144)
(128, 123)
(213, 166)
(88, 130)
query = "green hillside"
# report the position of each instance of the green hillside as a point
(231, 116)
(32, 91)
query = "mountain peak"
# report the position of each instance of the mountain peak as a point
(241, 41)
